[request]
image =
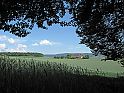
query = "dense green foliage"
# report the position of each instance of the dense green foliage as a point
(101, 27)
(72, 56)
(21, 54)
(22, 76)
(100, 23)
(86, 57)
(68, 56)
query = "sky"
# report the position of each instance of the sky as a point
(54, 40)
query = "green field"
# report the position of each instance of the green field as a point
(37, 75)
(110, 68)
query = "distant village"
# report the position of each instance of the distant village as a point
(73, 56)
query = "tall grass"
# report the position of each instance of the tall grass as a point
(31, 76)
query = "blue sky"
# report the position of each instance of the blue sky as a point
(54, 40)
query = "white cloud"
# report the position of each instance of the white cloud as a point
(35, 44)
(7, 39)
(11, 40)
(19, 48)
(45, 42)
(22, 46)
(2, 46)
(16, 46)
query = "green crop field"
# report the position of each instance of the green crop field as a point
(110, 68)
(45, 75)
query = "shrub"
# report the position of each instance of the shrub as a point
(86, 57)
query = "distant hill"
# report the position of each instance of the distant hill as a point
(47, 55)
(65, 54)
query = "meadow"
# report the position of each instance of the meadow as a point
(94, 64)
(47, 75)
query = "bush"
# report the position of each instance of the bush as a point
(86, 57)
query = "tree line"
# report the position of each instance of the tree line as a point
(70, 56)
(22, 54)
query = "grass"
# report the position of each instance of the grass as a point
(31, 76)
(110, 68)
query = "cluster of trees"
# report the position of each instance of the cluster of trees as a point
(21, 54)
(70, 56)
(86, 57)
(100, 23)
(59, 57)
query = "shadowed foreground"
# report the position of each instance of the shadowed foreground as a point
(21, 76)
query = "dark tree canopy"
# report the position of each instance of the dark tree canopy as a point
(101, 27)
(26, 13)
(100, 23)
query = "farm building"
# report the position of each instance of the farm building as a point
(77, 55)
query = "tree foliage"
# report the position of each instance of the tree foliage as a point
(100, 23)
(17, 16)
(22, 54)
(101, 27)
